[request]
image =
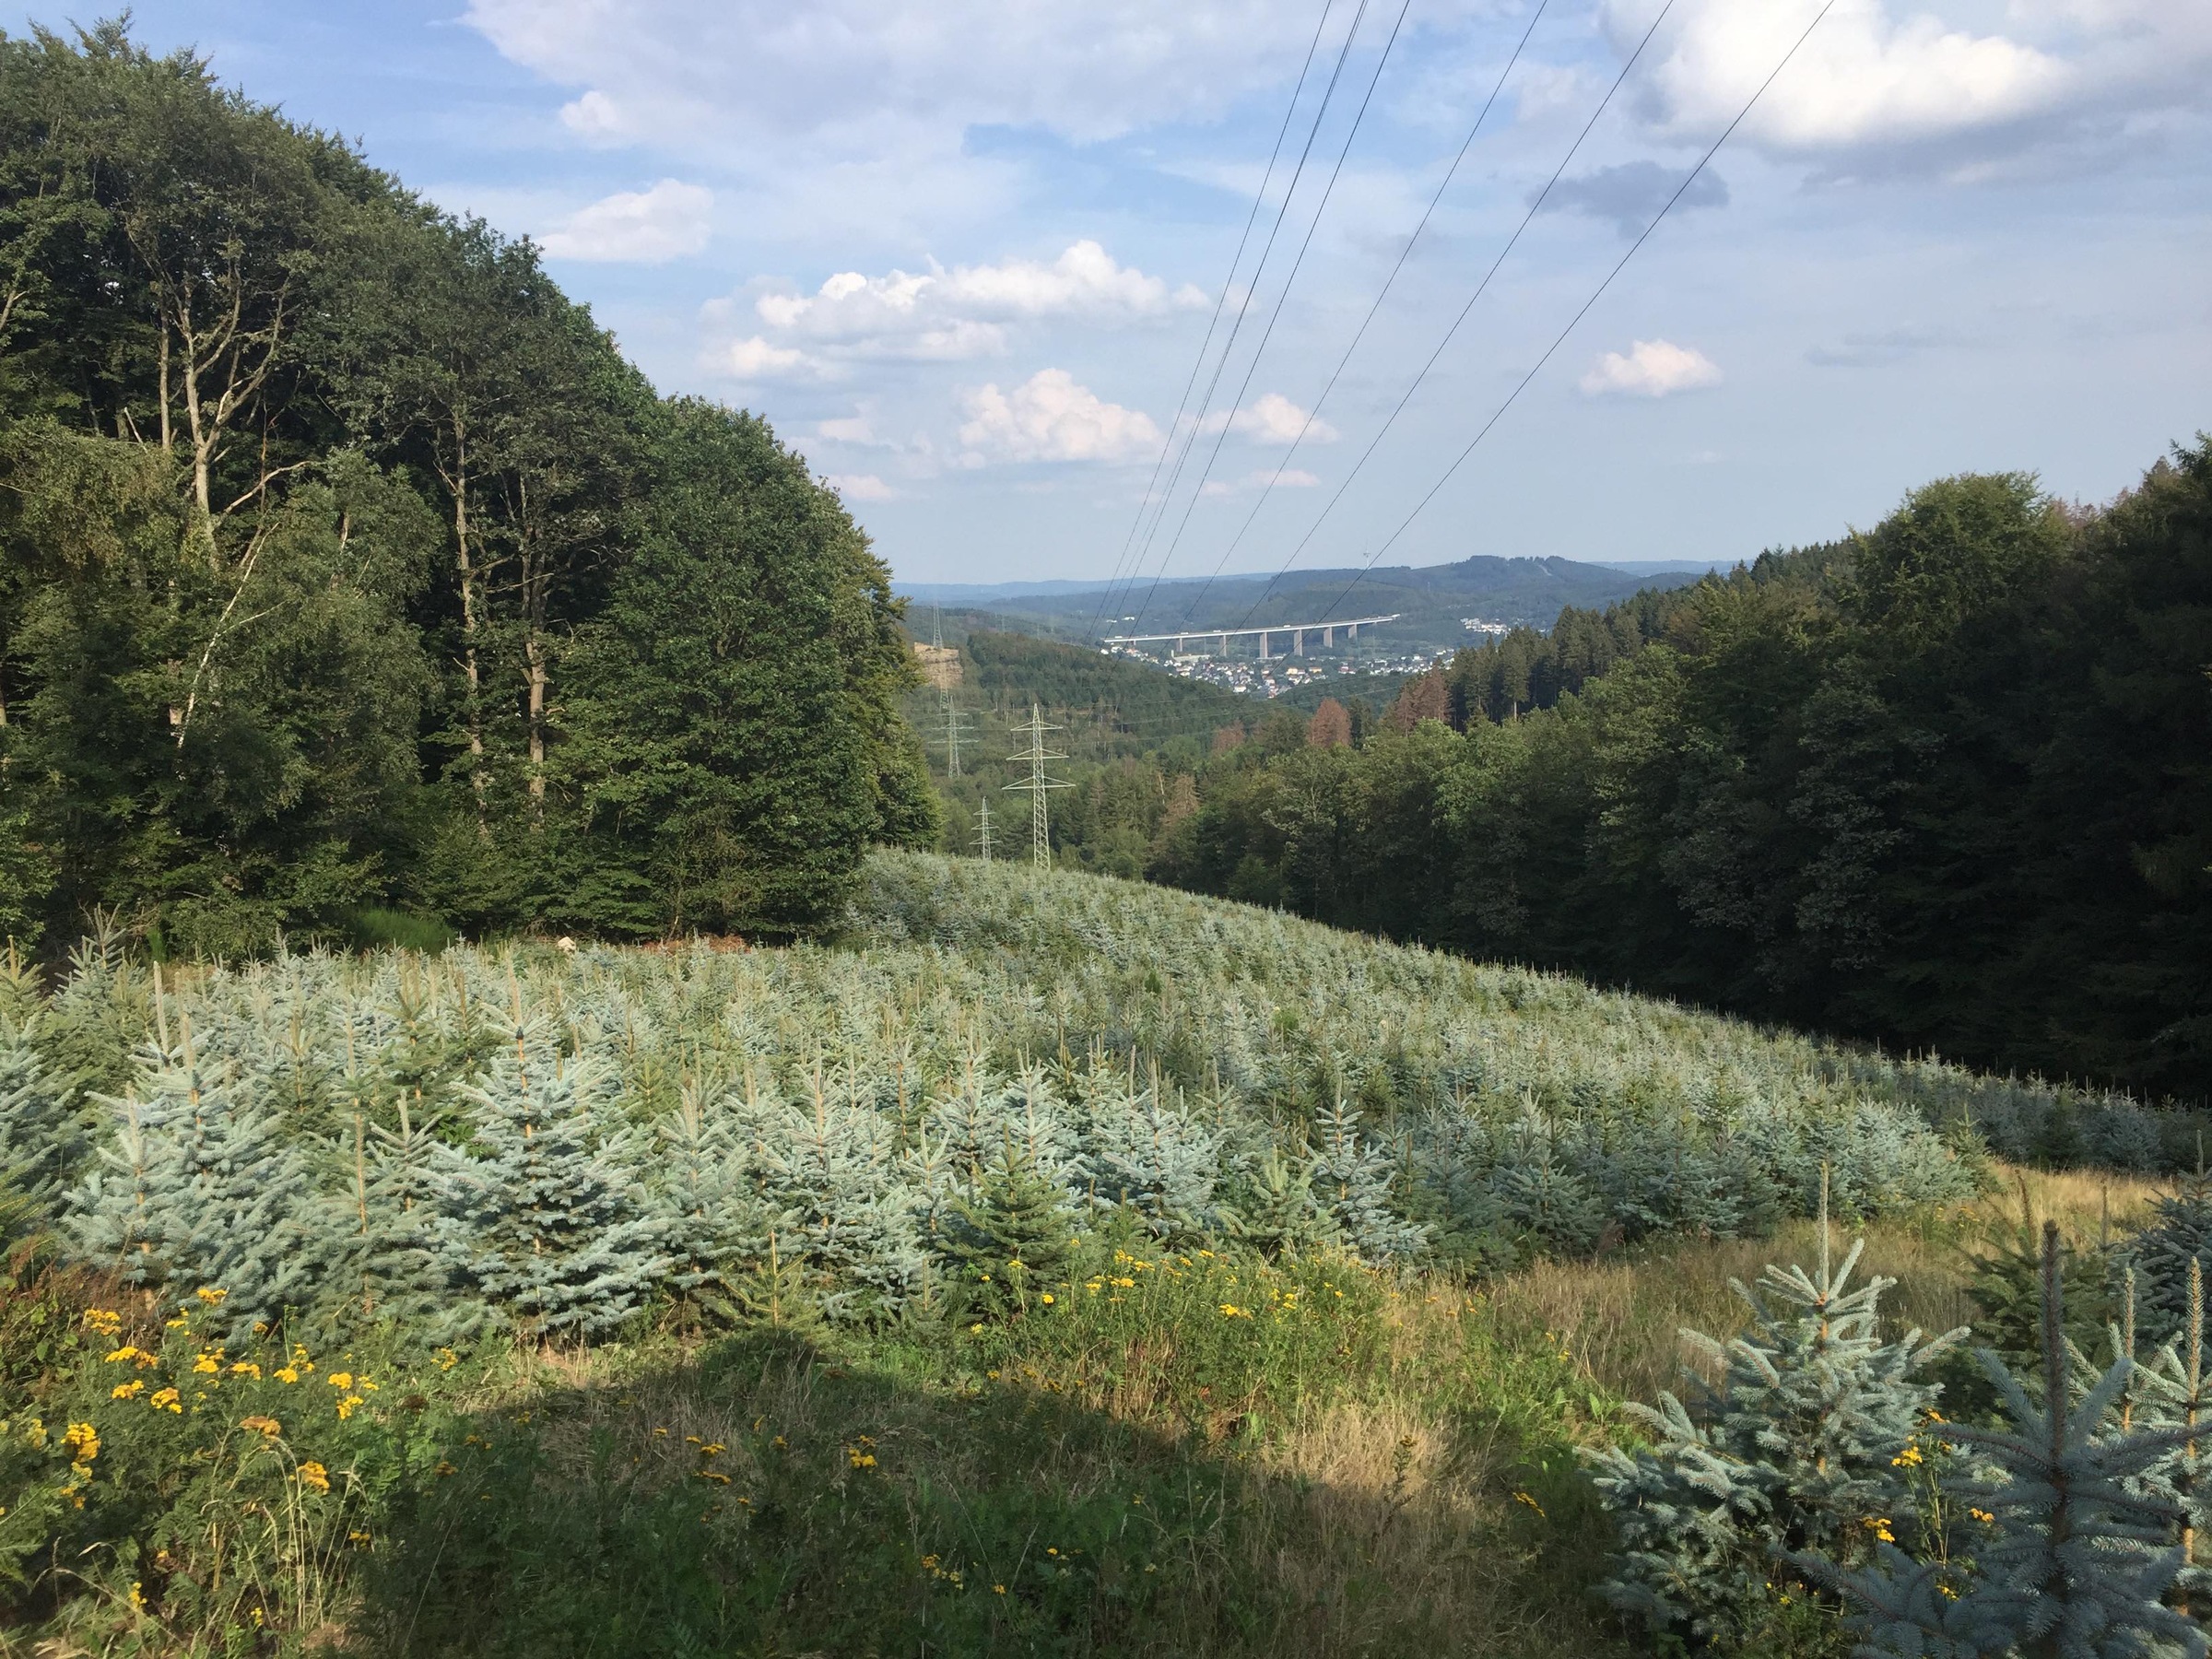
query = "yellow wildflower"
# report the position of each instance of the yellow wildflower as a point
(207, 1365)
(267, 1427)
(128, 1391)
(246, 1367)
(83, 1441)
(285, 1373)
(347, 1405)
(211, 1294)
(165, 1400)
(341, 1379)
(103, 1321)
(1907, 1459)
(313, 1475)
(447, 1360)
(1046, 1299)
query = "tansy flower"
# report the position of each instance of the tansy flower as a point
(285, 1373)
(265, 1426)
(211, 1294)
(1046, 1299)
(207, 1365)
(128, 1391)
(83, 1441)
(246, 1367)
(341, 1379)
(165, 1400)
(314, 1475)
(346, 1406)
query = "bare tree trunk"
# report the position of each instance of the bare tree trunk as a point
(457, 482)
(167, 437)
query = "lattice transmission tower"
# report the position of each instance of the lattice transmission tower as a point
(1037, 785)
(982, 833)
(952, 720)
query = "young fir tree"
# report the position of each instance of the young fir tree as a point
(1275, 1210)
(2163, 1252)
(1352, 1178)
(1010, 1243)
(2082, 1548)
(393, 1254)
(827, 1176)
(1153, 1162)
(712, 1222)
(549, 1205)
(1793, 1451)
(42, 1142)
(196, 1189)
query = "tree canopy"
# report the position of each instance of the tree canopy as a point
(348, 565)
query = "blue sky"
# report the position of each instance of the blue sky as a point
(963, 254)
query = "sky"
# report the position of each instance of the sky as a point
(965, 256)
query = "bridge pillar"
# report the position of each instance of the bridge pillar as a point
(1263, 644)
(1224, 644)
(1180, 642)
(1352, 632)
(1328, 638)
(1298, 641)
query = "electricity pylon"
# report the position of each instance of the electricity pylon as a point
(953, 720)
(1037, 785)
(983, 835)
(954, 728)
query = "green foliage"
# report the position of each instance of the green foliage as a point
(2081, 1547)
(347, 572)
(1798, 1449)
(1941, 785)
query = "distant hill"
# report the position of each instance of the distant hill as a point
(1432, 602)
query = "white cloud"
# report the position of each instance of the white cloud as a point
(1651, 368)
(1867, 78)
(1050, 418)
(1293, 477)
(593, 116)
(758, 360)
(1272, 418)
(645, 227)
(940, 315)
(876, 78)
(848, 428)
(860, 486)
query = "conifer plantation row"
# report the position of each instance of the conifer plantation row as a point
(353, 584)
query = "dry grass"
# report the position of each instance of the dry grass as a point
(1621, 1318)
(1430, 1504)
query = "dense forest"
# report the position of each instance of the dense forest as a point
(1946, 783)
(355, 585)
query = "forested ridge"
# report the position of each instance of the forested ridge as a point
(355, 584)
(1946, 782)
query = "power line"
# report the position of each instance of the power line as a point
(1360, 332)
(1688, 179)
(1037, 785)
(1281, 302)
(1528, 218)
(1244, 301)
(1228, 282)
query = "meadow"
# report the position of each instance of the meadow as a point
(1046, 1264)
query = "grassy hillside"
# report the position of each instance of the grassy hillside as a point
(1050, 1265)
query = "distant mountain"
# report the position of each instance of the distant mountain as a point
(1433, 603)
